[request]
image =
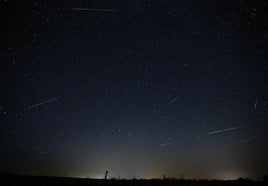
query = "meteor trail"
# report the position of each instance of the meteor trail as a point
(263, 106)
(172, 101)
(164, 144)
(247, 139)
(214, 132)
(94, 9)
(255, 105)
(47, 101)
(223, 130)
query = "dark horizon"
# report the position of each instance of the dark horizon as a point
(138, 88)
(35, 180)
(263, 178)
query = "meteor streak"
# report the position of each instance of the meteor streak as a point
(263, 106)
(47, 101)
(172, 101)
(247, 139)
(164, 144)
(223, 130)
(256, 102)
(94, 9)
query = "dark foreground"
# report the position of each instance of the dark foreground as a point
(15, 180)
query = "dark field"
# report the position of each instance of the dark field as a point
(15, 180)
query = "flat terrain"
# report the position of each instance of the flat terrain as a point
(15, 180)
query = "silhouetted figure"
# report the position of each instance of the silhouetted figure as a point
(106, 174)
(164, 177)
(182, 177)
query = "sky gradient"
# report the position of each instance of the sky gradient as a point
(138, 88)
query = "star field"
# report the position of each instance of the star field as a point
(138, 88)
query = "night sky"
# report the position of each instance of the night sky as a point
(138, 88)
